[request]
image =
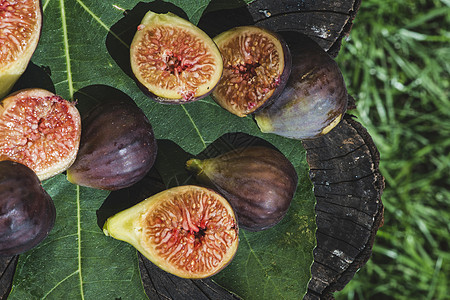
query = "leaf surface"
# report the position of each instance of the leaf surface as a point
(275, 263)
(84, 50)
(76, 261)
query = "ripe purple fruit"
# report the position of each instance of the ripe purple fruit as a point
(117, 147)
(314, 99)
(259, 182)
(27, 212)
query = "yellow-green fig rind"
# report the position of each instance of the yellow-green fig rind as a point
(176, 229)
(19, 39)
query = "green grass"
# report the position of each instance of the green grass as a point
(396, 63)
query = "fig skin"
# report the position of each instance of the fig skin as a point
(27, 212)
(180, 67)
(258, 181)
(188, 231)
(117, 147)
(249, 72)
(20, 40)
(314, 99)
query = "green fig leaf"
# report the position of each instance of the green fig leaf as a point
(85, 44)
(269, 264)
(275, 263)
(76, 261)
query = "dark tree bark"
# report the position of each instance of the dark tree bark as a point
(348, 186)
(343, 164)
(326, 22)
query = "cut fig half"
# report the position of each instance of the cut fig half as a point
(257, 64)
(20, 29)
(173, 60)
(189, 231)
(40, 130)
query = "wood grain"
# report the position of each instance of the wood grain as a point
(344, 165)
(344, 168)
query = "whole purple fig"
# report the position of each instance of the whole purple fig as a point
(315, 98)
(27, 212)
(117, 147)
(259, 182)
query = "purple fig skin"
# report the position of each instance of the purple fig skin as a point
(167, 101)
(259, 182)
(117, 147)
(243, 105)
(27, 212)
(314, 99)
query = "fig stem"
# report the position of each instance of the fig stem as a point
(195, 165)
(264, 123)
(69, 177)
(200, 168)
(332, 124)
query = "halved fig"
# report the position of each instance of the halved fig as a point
(258, 181)
(314, 99)
(188, 231)
(117, 148)
(20, 29)
(173, 60)
(27, 212)
(40, 130)
(257, 64)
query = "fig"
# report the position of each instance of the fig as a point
(314, 99)
(188, 231)
(173, 60)
(117, 147)
(40, 130)
(20, 29)
(27, 212)
(258, 181)
(256, 67)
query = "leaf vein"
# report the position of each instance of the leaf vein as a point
(80, 275)
(99, 21)
(252, 252)
(195, 126)
(59, 283)
(93, 232)
(66, 48)
(44, 244)
(199, 11)
(44, 6)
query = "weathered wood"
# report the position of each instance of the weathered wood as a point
(326, 22)
(343, 163)
(159, 284)
(348, 186)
